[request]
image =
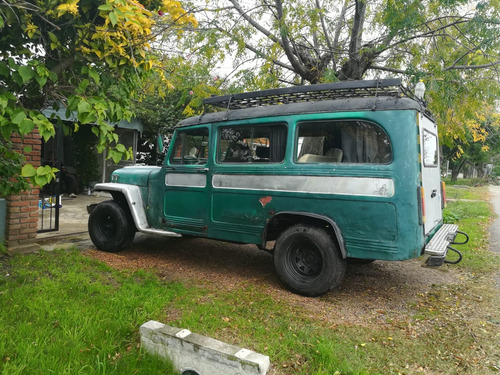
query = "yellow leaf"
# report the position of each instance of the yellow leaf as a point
(70, 7)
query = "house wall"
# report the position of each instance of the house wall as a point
(22, 209)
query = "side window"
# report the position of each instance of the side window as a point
(190, 147)
(252, 144)
(430, 149)
(342, 142)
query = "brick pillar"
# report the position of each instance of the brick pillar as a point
(22, 209)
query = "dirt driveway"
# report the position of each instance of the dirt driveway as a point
(371, 293)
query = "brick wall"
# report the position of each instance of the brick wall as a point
(22, 209)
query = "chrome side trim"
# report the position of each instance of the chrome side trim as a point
(186, 179)
(134, 200)
(360, 186)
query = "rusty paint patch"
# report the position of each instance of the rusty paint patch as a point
(264, 201)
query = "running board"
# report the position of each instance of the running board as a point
(437, 248)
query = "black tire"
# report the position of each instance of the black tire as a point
(111, 227)
(308, 261)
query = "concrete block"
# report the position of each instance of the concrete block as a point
(194, 354)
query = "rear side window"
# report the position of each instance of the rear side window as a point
(342, 142)
(252, 144)
(430, 149)
(190, 147)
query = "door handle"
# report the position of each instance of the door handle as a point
(434, 193)
(202, 170)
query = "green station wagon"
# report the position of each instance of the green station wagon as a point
(319, 174)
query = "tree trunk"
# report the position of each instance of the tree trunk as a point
(456, 169)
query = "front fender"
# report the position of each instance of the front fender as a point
(133, 197)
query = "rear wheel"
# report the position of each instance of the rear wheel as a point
(308, 261)
(111, 227)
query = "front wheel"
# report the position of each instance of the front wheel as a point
(308, 261)
(111, 227)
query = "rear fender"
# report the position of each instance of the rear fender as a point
(307, 217)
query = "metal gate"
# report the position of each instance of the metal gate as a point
(49, 204)
(49, 201)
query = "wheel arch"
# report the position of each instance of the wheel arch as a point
(283, 220)
(131, 197)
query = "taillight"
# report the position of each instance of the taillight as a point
(421, 200)
(443, 194)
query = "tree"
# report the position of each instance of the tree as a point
(320, 41)
(452, 45)
(82, 55)
(480, 144)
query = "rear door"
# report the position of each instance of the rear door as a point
(431, 172)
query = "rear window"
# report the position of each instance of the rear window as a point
(252, 144)
(430, 149)
(342, 142)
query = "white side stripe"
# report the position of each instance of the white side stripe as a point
(364, 186)
(186, 179)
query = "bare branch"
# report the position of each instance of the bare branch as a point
(252, 22)
(296, 64)
(357, 27)
(387, 69)
(323, 26)
(472, 67)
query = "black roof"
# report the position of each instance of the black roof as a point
(349, 96)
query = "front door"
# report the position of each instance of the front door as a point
(187, 182)
(431, 173)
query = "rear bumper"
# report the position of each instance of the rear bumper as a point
(437, 248)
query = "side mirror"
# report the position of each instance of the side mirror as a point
(160, 144)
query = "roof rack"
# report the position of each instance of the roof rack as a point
(326, 91)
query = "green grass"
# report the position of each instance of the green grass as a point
(62, 313)
(458, 193)
(473, 218)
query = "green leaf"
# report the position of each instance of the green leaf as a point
(27, 149)
(112, 18)
(83, 85)
(41, 80)
(115, 155)
(53, 76)
(26, 73)
(26, 126)
(4, 69)
(18, 116)
(105, 7)
(28, 171)
(120, 148)
(4, 102)
(53, 37)
(16, 77)
(94, 75)
(1, 22)
(6, 131)
(84, 106)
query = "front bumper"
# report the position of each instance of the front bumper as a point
(437, 248)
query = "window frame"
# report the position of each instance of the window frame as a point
(340, 120)
(178, 135)
(246, 126)
(435, 164)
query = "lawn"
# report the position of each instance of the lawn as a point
(66, 313)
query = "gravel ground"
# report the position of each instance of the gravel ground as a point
(370, 293)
